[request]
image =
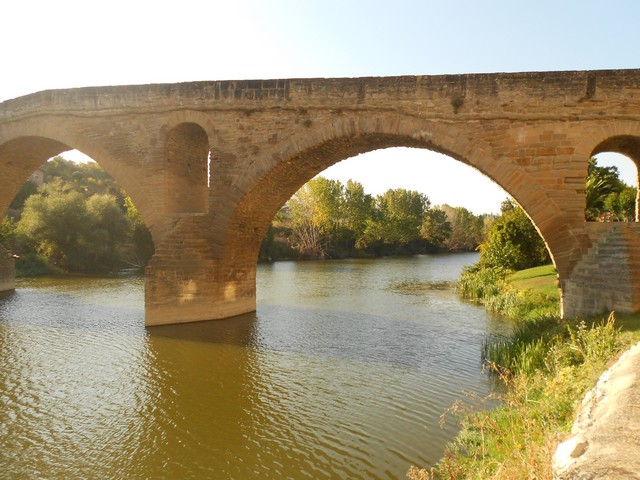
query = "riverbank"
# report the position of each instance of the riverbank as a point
(545, 368)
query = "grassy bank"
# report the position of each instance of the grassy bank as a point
(546, 366)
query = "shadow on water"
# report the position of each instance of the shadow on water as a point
(239, 331)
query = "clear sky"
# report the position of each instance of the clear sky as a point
(68, 43)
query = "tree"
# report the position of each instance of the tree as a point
(315, 214)
(400, 214)
(357, 207)
(619, 206)
(466, 229)
(142, 248)
(109, 232)
(73, 233)
(57, 223)
(602, 182)
(513, 242)
(436, 228)
(7, 233)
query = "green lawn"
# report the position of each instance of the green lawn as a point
(542, 279)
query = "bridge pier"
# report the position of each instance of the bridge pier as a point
(607, 277)
(7, 271)
(188, 280)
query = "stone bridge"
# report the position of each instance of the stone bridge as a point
(208, 164)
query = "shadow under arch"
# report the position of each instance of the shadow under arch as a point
(187, 174)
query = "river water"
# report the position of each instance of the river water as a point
(342, 373)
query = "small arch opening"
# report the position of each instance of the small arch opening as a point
(611, 189)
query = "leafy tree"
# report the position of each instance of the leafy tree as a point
(28, 188)
(401, 214)
(73, 233)
(315, 212)
(466, 229)
(109, 232)
(80, 220)
(620, 206)
(513, 242)
(57, 224)
(602, 182)
(7, 233)
(436, 228)
(357, 207)
(142, 248)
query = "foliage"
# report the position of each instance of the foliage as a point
(28, 188)
(326, 219)
(75, 234)
(466, 229)
(479, 283)
(314, 211)
(620, 206)
(436, 227)
(400, 216)
(357, 208)
(510, 295)
(607, 197)
(513, 242)
(546, 367)
(7, 233)
(78, 221)
(141, 244)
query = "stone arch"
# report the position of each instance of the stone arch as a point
(19, 158)
(187, 169)
(298, 159)
(22, 155)
(23, 150)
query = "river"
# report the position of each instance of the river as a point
(342, 373)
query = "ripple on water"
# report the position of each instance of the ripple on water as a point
(345, 386)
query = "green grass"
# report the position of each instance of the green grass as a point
(543, 280)
(545, 367)
(527, 294)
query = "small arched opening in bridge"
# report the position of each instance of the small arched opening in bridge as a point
(612, 181)
(187, 169)
(70, 214)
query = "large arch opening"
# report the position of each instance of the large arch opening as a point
(289, 173)
(358, 307)
(67, 214)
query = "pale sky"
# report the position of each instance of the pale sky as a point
(67, 43)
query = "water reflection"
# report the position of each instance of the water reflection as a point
(337, 375)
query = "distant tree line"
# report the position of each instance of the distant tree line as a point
(81, 221)
(329, 219)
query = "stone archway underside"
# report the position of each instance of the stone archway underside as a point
(532, 133)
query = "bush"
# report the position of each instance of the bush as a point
(546, 368)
